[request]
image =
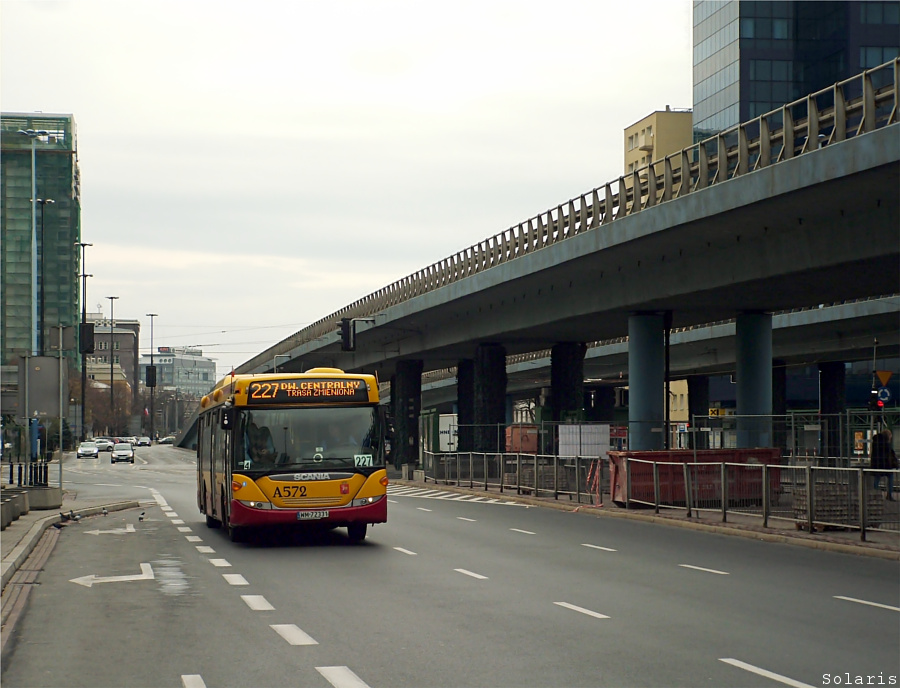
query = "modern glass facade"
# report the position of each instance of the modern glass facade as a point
(753, 57)
(57, 229)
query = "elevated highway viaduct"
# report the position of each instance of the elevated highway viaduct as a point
(781, 213)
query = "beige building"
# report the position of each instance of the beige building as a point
(657, 135)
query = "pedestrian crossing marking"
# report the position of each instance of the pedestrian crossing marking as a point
(424, 493)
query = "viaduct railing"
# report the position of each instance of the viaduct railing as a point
(853, 107)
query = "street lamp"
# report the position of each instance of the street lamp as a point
(151, 377)
(275, 361)
(33, 135)
(43, 202)
(112, 326)
(81, 334)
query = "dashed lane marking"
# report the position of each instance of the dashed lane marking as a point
(581, 610)
(605, 549)
(235, 579)
(524, 532)
(470, 573)
(293, 634)
(205, 549)
(764, 672)
(220, 563)
(405, 551)
(258, 603)
(192, 681)
(193, 538)
(700, 568)
(866, 602)
(341, 677)
(463, 518)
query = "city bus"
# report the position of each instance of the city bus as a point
(299, 449)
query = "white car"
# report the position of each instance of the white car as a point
(143, 442)
(123, 451)
(88, 450)
(104, 443)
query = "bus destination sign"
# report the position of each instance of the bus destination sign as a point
(306, 391)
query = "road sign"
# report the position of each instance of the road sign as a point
(883, 376)
(884, 394)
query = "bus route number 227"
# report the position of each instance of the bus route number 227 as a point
(362, 460)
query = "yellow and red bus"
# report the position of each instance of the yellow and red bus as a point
(305, 449)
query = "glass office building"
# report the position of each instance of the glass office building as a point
(752, 57)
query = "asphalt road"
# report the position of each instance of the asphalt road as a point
(450, 592)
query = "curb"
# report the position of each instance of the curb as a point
(825, 545)
(14, 559)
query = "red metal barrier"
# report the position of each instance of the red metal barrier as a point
(706, 480)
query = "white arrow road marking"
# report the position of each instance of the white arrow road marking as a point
(87, 581)
(116, 531)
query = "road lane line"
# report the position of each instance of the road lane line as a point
(700, 568)
(292, 634)
(605, 549)
(205, 549)
(235, 579)
(341, 677)
(258, 603)
(871, 604)
(192, 681)
(405, 551)
(463, 518)
(581, 610)
(392, 501)
(171, 514)
(167, 508)
(184, 529)
(177, 521)
(423, 509)
(193, 538)
(221, 563)
(469, 573)
(763, 672)
(526, 532)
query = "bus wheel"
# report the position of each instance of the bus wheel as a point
(236, 534)
(357, 532)
(213, 522)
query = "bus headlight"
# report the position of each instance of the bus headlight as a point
(365, 501)
(256, 505)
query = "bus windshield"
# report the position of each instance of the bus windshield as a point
(308, 438)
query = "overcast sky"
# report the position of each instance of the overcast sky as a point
(248, 168)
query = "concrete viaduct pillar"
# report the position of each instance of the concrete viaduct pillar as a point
(490, 397)
(832, 377)
(646, 381)
(753, 358)
(698, 405)
(567, 379)
(465, 402)
(406, 403)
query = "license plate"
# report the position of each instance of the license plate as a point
(311, 515)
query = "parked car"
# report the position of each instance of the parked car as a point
(88, 450)
(104, 443)
(168, 440)
(123, 451)
(143, 442)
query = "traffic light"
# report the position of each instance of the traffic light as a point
(86, 338)
(348, 342)
(875, 404)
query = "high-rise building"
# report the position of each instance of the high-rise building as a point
(751, 57)
(39, 262)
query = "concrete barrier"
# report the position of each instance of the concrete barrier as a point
(14, 503)
(44, 498)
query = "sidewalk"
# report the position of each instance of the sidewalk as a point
(885, 545)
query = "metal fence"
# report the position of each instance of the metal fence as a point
(813, 497)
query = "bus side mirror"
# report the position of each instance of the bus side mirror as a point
(228, 418)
